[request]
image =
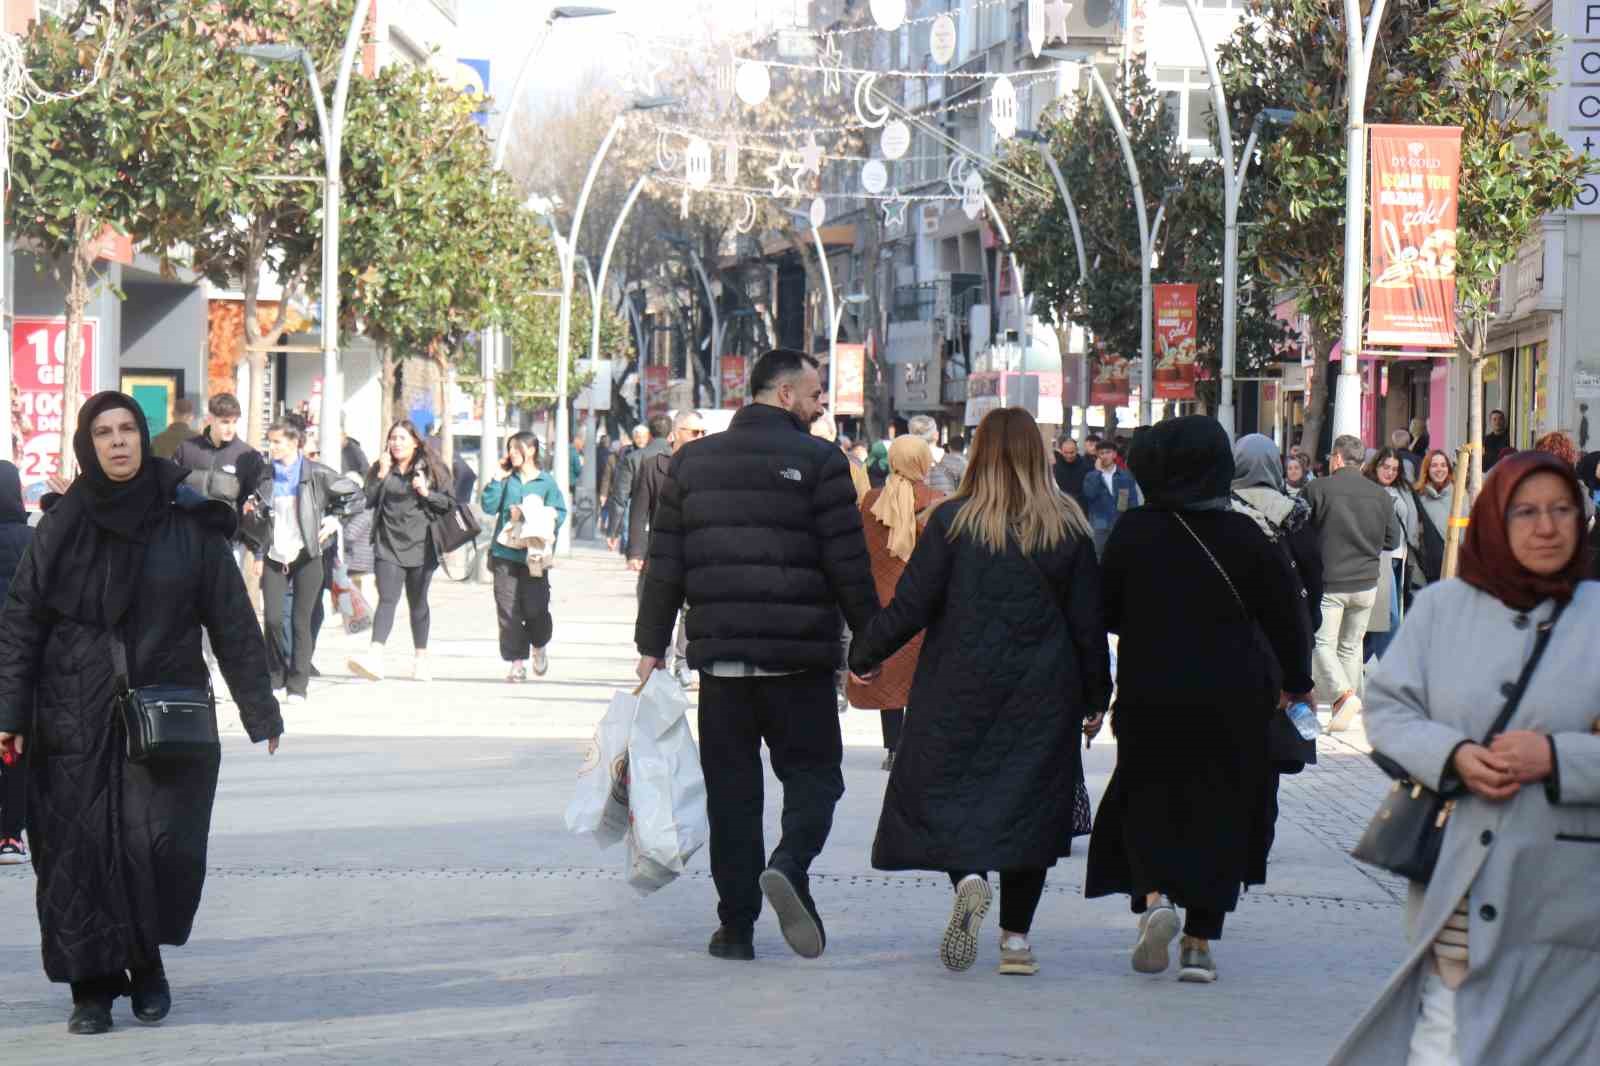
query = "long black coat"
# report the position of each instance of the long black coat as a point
(1014, 660)
(1188, 809)
(120, 850)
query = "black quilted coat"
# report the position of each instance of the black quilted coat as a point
(120, 850)
(1015, 659)
(757, 527)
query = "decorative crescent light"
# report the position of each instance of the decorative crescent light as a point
(870, 115)
(748, 222)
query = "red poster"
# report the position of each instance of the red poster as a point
(1416, 176)
(1109, 386)
(656, 381)
(852, 379)
(735, 382)
(38, 370)
(1175, 339)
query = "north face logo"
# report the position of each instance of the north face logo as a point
(790, 473)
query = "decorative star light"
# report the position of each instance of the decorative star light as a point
(809, 159)
(894, 209)
(643, 67)
(1055, 19)
(831, 59)
(780, 186)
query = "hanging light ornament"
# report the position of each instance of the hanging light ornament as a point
(697, 163)
(889, 14)
(874, 176)
(753, 83)
(896, 139)
(868, 113)
(1003, 108)
(942, 40)
(730, 164)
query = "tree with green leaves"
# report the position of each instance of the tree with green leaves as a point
(1188, 247)
(145, 137)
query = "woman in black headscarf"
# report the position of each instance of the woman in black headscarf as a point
(119, 848)
(1212, 633)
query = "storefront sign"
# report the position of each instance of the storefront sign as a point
(1175, 339)
(38, 370)
(656, 399)
(1578, 23)
(735, 383)
(984, 394)
(1416, 173)
(1109, 386)
(852, 371)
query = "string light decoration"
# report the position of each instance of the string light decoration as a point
(20, 93)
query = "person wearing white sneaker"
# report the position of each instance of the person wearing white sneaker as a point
(518, 488)
(408, 489)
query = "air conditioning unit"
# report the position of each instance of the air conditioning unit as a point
(1095, 18)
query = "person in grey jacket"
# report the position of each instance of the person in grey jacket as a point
(1357, 523)
(1503, 958)
(945, 476)
(627, 476)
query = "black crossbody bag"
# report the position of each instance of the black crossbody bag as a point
(1407, 833)
(165, 723)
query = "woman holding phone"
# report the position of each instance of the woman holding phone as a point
(407, 489)
(521, 597)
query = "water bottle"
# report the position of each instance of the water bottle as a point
(1304, 717)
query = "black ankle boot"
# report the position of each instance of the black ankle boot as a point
(91, 1006)
(151, 995)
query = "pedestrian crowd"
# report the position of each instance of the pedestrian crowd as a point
(975, 591)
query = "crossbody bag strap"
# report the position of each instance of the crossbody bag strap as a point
(1231, 587)
(119, 663)
(1540, 643)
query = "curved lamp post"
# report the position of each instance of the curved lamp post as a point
(1077, 240)
(827, 284)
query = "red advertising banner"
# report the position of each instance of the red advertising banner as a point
(657, 379)
(1109, 386)
(735, 382)
(1175, 338)
(1416, 178)
(852, 372)
(38, 372)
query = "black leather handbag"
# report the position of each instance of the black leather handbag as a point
(455, 528)
(1407, 833)
(165, 723)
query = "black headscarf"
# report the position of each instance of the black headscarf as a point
(11, 508)
(1183, 464)
(101, 525)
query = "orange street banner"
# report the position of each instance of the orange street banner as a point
(734, 381)
(1109, 386)
(1416, 180)
(1175, 339)
(852, 372)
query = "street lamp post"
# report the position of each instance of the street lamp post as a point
(493, 348)
(715, 362)
(331, 127)
(1146, 242)
(1361, 45)
(827, 284)
(563, 472)
(605, 266)
(1023, 332)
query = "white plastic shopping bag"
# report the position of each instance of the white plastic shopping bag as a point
(600, 804)
(666, 790)
(644, 873)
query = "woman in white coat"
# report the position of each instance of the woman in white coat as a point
(1504, 943)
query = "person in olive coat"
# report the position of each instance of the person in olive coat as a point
(119, 848)
(1014, 670)
(1212, 634)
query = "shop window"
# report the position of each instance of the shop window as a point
(1187, 108)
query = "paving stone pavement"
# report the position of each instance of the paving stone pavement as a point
(396, 886)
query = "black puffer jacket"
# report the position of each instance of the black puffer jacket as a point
(120, 850)
(1015, 659)
(757, 527)
(15, 535)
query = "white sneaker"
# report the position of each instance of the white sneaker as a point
(1158, 927)
(540, 662)
(421, 670)
(959, 948)
(369, 665)
(295, 699)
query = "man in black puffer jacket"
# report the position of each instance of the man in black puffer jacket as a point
(757, 527)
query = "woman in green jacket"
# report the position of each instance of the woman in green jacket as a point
(521, 595)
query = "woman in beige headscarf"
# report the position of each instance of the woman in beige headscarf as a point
(893, 517)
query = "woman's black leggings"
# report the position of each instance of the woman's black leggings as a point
(414, 581)
(13, 799)
(1020, 892)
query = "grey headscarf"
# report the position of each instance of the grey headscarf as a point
(1256, 464)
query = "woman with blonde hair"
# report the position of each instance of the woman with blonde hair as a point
(1015, 669)
(1432, 491)
(892, 517)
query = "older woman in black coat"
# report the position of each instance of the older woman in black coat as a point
(1014, 670)
(1212, 630)
(120, 848)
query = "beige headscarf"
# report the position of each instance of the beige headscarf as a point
(910, 459)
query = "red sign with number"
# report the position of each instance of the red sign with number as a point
(38, 369)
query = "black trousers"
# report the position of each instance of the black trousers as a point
(1197, 921)
(522, 607)
(290, 667)
(799, 721)
(1020, 892)
(13, 799)
(894, 721)
(413, 581)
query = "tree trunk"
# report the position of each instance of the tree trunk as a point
(72, 370)
(1317, 398)
(386, 393)
(1479, 335)
(447, 380)
(254, 337)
